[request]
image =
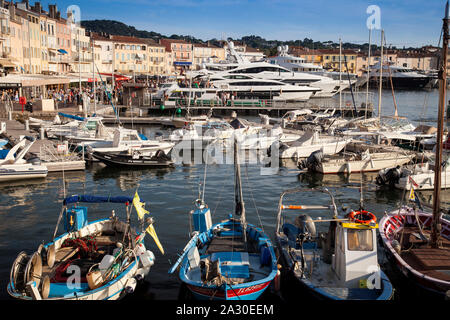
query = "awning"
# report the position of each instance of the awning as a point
(182, 63)
(62, 51)
(6, 63)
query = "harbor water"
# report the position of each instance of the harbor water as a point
(29, 210)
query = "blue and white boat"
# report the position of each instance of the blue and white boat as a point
(230, 260)
(98, 260)
(340, 264)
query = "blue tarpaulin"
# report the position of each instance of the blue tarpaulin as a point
(96, 199)
(143, 137)
(71, 116)
(3, 153)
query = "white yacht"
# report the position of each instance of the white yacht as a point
(402, 77)
(247, 86)
(244, 88)
(298, 64)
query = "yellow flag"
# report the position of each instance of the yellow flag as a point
(412, 196)
(139, 206)
(151, 231)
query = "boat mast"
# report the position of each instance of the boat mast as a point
(239, 199)
(436, 225)
(381, 76)
(340, 75)
(368, 73)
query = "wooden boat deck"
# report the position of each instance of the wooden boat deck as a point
(433, 262)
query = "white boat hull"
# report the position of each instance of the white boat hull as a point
(328, 148)
(22, 172)
(369, 165)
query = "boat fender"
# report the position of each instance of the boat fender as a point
(106, 263)
(140, 274)
(130, 285)
(147, 259)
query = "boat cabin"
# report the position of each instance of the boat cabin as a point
(355, 255)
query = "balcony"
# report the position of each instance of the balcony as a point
(6, 30)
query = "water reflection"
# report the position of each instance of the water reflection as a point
(127, 178)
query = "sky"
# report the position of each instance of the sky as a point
(409, 23)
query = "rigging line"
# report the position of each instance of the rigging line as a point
(253, 198)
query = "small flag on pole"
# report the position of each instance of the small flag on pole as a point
(412, 196)
(151, 231)
(139, 206)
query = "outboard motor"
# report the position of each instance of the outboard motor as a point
(312, 162)
(388, 177)
(307, 227)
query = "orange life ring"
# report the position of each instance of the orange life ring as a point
(363, 217)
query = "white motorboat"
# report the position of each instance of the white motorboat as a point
(350, 162)
(91, 129)
(419, 176)
(191, 137)
(14, 167)
(309, 142)
(129, 140)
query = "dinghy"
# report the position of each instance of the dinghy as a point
(338, 265)
(98, 260)
(230, 260)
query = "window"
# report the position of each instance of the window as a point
(359, 240)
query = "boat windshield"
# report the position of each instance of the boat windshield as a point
(359, 240)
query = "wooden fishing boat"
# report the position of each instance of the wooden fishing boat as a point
(99, 260)
(340, 264)
(405, 234)
(231, 260)
(135, 159)
(350, 162)
(416, 241)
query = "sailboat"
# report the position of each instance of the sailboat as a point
(416, 240)
(231, 260)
